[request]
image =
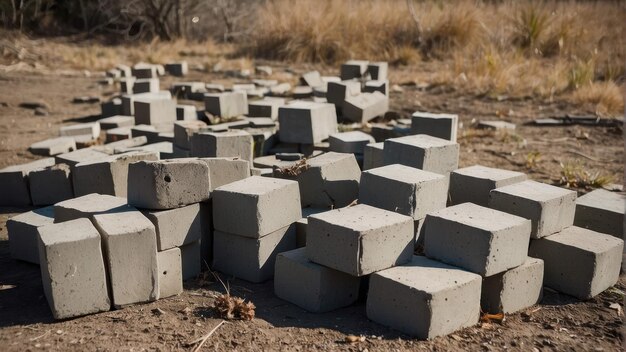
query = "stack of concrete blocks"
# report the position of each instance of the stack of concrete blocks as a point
(250, 230)
(306, 123)
(407, 190)
(373, 155)
(578, 262)
(422, 152)
(342, 247)
(474, 183)
(602, 211)
(53, 146)
(352, 142)
(227, 105)
(443, 126)
(14, 187)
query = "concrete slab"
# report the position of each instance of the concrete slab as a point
(23, 235)
(472, 184)
(118, 134)
(128, 100)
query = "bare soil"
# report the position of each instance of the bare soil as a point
(559, 323)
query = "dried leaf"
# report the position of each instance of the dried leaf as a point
(294, 170)
(229, 307)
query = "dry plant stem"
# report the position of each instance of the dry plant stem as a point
(204, 338)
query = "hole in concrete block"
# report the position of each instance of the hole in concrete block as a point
(167, 178)
(165, 272)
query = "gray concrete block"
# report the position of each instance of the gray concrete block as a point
(424, 298)
(150, 111)
(312, 79)
(579, 262)
(107, 176)
(311, 286)
(191, 257)
(442, 126)
(88, 206)
(178, 69)
(79, 156)
(129, 240)
(186, 113)
(116, 121)
(177, 227)
(14, 182)
(206, 240)
(378, 70)
(373, 156)
(550, 208)
(118, 134)
(602, 211)
(170, 273)
(267, 107)
(53, 146)
(423, 152)
(146, 85)
(183, 130)
(514, 289)
(478, 239)
(50, 185)
(338, 92)
(302, 92)
(474, 183)
(23, 235)
(168, 184)
(359, 240)
(165, 150)
(306, 122)
(353, 69)
(376, 86)
(233, 143)
(365, 106)
(109, 148)
(126, 84)
(302, 224)
(128, 100)
(251, 259)
(403, 189)
(223, 171)
(81, 129)
(143, 70)
(270, 161)
(111, 108)
(255, 200)
(226, 105)
(349, 142)
(72, 269)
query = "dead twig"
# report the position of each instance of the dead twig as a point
(204, 338)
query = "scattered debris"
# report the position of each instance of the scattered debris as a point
(353, 339)
(489, 318)
(292, 171)
(34, 105)
(158, 311)
(618, 308)
(229, 307)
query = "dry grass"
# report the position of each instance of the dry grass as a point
(576, 175)
(605, 99)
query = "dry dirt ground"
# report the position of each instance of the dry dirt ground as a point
(558, 323)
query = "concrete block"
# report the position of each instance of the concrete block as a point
(478, 239)
(472, 184)
(271, 161)
(265, 108)
(365, 106)
(118, 134)
(423, 152)
(168, 184)
(186, 112)
(359, 240)
(107, 176)
(223, 171)
(164, 149)
(251, 259)
(403, 189)
(442, 126)
(338, 92)
(146, 85)
(424, 298)
(109, 148)
(143, 70)
(373, 156)
(601, 211)
(14, 182)
(128, 100)
(170, 273)
(550, 208)
(255, 199)
(306, 122)
(126, 84)
(111, 108)
(302, 224)
(376, 86)
(178, 69)
(312, 79)
(72, 269)
(514, 289)
(183, 131)
(353, 69)
(129, 240)
(53, 146)
(116, 121)
(191, 257)
(311, 286)
(349, 142)
(177, 227)
(150, 111)
(23, 235)
(579, 262)
(91, 129)
(79, 156)
(378, 70)
(50, 185)
(126, 71)
(233, 143)
(226, 105)
(302, 92)
(88, 206)
(280, 89)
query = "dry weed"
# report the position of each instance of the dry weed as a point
(576, 175)
(605, 99)
(229, 307)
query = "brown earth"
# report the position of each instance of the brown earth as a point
(558, 323)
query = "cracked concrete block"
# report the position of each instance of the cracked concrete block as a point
(88, 206)
(223, 171)
(79, 156)
(14, 182)
(72, 269)
(442, 126)
(423, 152)
(311, 286)
(353, 69)
(424, 298)
(107, 176)
(186, 113)
(602, 211)
(378, 70)
(53, 146)
(251, 259)
(81, 129)
(579, 262)
(177, 227)
(359, 240)
(150, 111)
(550, 208)
(349, 142)
(226, 105)
(183, 130)
(338, 92)
(23, 235)
(403, 189)
(306, 122)
(234, 143)
(170, 273)
(478, 239)
(168, 184)
(365, 106)
(116, 121)
(50, 185)
(373, 155)
(514, 289)
(474, 183)
(191, 257)
(255, 199)
(130, 248)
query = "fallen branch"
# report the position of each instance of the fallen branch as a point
(204, 338)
